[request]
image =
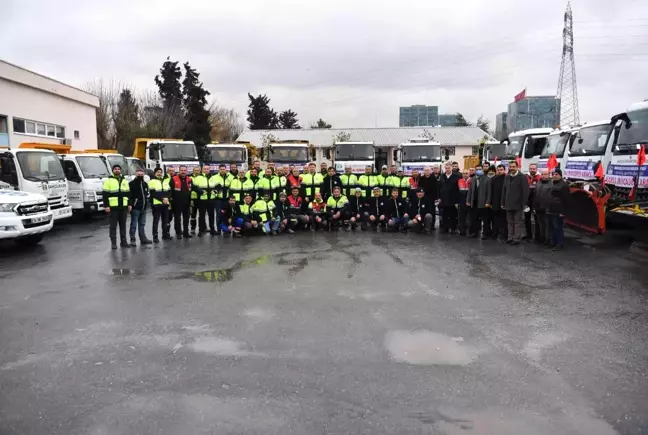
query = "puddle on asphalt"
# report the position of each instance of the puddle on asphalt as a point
(219, 346)
(428, 348)
(121, 272)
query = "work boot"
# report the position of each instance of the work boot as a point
(167, 237)
(187, 236)
(125, 244)
(133, 241)
(291, 231)
(179, 236)
(155, 239)
(113, 245)
(214, 232)
(145, 242)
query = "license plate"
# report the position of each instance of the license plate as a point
(37, 220)
(56, 192)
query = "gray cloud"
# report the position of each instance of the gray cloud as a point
(352, 63)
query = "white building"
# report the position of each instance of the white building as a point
(35, 108)
(459, 141)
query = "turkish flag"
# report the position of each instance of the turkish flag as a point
(599, 173)
(518, 161)
(633, 191)
(552, 163)
(495, 162)
(520, 96)
(641, 156)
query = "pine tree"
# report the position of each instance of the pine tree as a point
(321, 124)
(127, 122)
(259, 115)
(461, 121)
(168, 82)
(288, 119)
(194, 96)
(483, 123)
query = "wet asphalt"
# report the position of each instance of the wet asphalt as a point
(337, 333)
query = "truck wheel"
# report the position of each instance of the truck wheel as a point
(30, 240)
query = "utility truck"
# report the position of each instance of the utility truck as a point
(36, 169)
(417, 154)
(525, 146)
(289, 152)
(165, 153)
(557, 147)
(217, 154)
(357, 155)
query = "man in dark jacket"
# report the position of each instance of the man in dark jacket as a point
(281, 209)
(514, 200)
(541, 202)
(230, 218)
(420, 212)
(377, 209)
(331, 181)
(297, 211)
(428, 182)
(139, 202)
(463, 212)
(479, 194)
(532, 177)
(358, 210)
(500, 229)
(181, 188)
(558, 208)
(449, 199)
(397, 212)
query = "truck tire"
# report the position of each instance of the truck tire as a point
(32, 240)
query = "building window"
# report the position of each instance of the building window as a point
(76, 134)
(38, 128)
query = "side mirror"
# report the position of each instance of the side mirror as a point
(395, 155)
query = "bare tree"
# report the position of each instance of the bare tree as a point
(226, 124)
(108, 93)
(156, 120)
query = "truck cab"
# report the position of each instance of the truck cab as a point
(86, 173)
(558, 145)
(525, 144)
(34, 169)
(417, 154)
(590, 147)
(24, 217)
(217, 154)
(286, 153)
(165, 153)
(357, 155)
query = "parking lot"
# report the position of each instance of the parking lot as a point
(325, 333)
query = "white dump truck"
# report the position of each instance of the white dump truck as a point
(417, 154)
(356, 155)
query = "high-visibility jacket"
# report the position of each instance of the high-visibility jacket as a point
(337, 204)
(349, 183)
(222, 184)
(311, 183)
(317, 207)
(271, 185)
(383, 182)
(263, 209)
(239, 188)
(202, 181)
(283, 182)
(194, 194)
(246, 211)
(404, 187)
(159, 188)
(116, 192)
(367, 183)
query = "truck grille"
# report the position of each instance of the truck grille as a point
(56, 202)
(31, 209)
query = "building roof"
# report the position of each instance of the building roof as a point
(25, 77)
(380, 136)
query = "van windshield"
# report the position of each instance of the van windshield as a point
(40, 166)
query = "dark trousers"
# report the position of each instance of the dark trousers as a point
(475, 220)
(557, 229)
(193, 212)
(181, 218)
(449, 218)
(463, 213)
(218, 205)
(500, 226)
(170, 214)
(487, 221)
(160, 213)
(542, 234)
(528, 225)
(206, 207)
(118, 216)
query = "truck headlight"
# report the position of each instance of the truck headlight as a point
(7, 207)
(89, 196)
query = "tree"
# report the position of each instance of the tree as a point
(259, 115)
(484, 124)
(461, 121)
(168, 82)
(157, 121)
(107, 92)
(126, 122)
(168, 115)
(288, 119)
(226, 124)
(197, 127)
(321, 124)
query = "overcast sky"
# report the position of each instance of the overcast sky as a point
(351, 62)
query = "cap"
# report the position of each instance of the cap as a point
(384, 166)
(116, 166)
(357, 189)
(417, 190)
(558, 171)
(376, 188)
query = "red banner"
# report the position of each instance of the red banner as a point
(520, 96)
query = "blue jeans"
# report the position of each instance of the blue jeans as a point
(398, 222)
(557, 229)
(238, 223)
(271, 226)
(137, 224)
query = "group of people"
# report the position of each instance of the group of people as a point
(486, 200)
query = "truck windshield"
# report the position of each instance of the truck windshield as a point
(179, 152)
(421, 153)
(118, 160)
(513, 148)
(40, 166)
(636, 134)
(93, 167)
(134, 165)
(224, 155)
(496, 151)
(354, 151)
(556, 144)
(289, 154)
(591, 141)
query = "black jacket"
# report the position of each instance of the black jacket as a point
(449, 190)
(282, 209)
(421, 207)
(357, 205)
(183, 196)
(230, 212)
(559, 198)
(430, 187)
(396, 208)
(377, 206)
(330, 183)
(497, 186)
(296, 206)
(139, 193)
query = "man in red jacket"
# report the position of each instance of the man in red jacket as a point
(181, 188)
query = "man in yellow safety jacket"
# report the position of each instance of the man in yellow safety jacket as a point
(367, 182)
(223, 180)
(338, 207)
(241, 186)
(311, 182)
(205, 201)
(383, 179)
(193, 205)
(270, 183)
(160, 193)
(116, 194)
(349, 182)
